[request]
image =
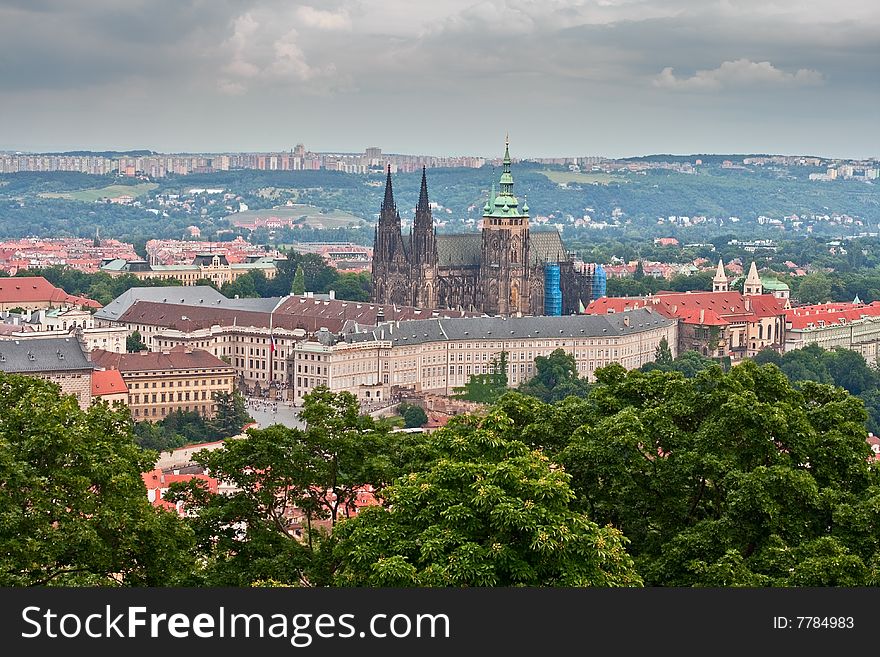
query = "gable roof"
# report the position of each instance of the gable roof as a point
(807, 317)
(180, 294)
(513, 328)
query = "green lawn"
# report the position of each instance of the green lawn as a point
(311, 216)
(565, 177)
(111, 191)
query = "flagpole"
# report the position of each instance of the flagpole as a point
(271, 348)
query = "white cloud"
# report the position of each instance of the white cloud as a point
(231, 88)
(324, 20)
(737, 73)
(290, 61)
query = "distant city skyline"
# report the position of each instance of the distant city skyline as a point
(489, 157)
(566, 78)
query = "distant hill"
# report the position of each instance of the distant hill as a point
(707, 158)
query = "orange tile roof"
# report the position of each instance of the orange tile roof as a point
(178, 357)
(830, 313)
(717, 308)
(107, 382)
(30, 289)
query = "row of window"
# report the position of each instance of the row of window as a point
(168, 397)
(180, 384)
(164, 410)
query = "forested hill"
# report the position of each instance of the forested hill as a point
(65, 203)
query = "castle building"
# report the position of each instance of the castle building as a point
(503, 270)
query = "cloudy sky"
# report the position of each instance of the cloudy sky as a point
(446, 77)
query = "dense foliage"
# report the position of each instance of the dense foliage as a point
(489, 511)
(180, 427)
(414, 416)
(73, 508)
(486, 388)
(723, 479)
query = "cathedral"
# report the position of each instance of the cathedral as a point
(503, 270)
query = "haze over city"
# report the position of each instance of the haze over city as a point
(614, 78)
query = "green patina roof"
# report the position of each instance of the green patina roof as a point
(505, 204)
(459, 250)
(773, 284)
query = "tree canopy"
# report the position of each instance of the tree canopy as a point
(73, 506)
(489, 511)
(731, 478)
(556, 377)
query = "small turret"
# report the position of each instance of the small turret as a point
(753, 284)
(720, 283)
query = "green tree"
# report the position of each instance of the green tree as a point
(134, 343)
(206, 281)
(768, 355)
(556, 377)
(353, 287)
(413, 416)
(248, 535)
(231, 414)
(728, 478)
(299, 281)
(814, 288)
(73, 508)
(663, 354)
(489, 511)
(486, 388)
(639, 273)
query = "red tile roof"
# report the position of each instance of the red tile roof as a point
(705, 308)
(296, 312)
(176, 358)
(31, 289)
(107, 382)
(830, 313)
(158, 482)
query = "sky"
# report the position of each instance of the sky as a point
(612, 78)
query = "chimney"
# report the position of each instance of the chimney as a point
(332, 294)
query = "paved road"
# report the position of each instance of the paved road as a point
(267, 414)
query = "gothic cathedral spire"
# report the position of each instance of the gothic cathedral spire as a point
(389, 208)
(424, 251)
(424, 248)
(391, 267)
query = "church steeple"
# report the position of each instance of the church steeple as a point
(423, 193)
(505, 204)
(720, 283)
(424, 249)
(391, 267)
(389, 209)
(753, 283)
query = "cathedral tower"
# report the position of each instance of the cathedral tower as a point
(424, 252)
(391, 268)
(504, 254)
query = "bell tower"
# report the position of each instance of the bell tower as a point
(504, 253)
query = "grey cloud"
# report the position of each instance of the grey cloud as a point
(349, 69)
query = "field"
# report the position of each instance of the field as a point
(565, 177)
(306, 215)
(96, 194)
